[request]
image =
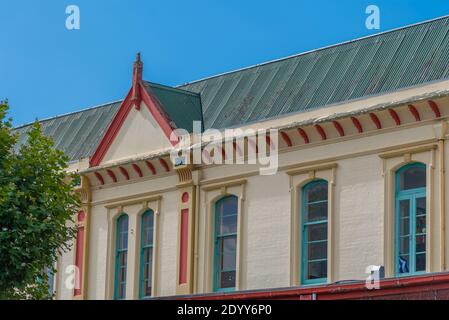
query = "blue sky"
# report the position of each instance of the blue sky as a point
(47, 70)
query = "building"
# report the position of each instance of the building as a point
(360, 129)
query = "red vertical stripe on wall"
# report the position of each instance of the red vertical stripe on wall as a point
(183, 251)
(79, 260)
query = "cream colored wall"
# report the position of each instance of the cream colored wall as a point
(359, 213)
(139, 134)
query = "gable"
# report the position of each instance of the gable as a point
(139, 134)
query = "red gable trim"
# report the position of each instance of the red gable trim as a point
(116, 124)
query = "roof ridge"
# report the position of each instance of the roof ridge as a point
(175, 89)
(315, 50)
(68, 114)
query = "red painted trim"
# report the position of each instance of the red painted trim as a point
(112, 131)
(184, 246)
(151, 167)
(124, 172)
(414, 112)
(270, 142)
(339, 128)
(159, 115)
(357, 124)
(304, 135)
(237, 148)
(79, 257)
(321, 131)
(395, 116)
(389, 288)
(287, 139)
(253, 145)
(112, 175)
(223, 153)
(164, 164)
(435, 108)
(137, 170)
(375, 120)
(99, 178)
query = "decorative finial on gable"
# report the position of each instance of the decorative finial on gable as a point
(137, 82)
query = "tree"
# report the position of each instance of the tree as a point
(37, 206)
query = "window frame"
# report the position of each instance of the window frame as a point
(142, 251)
(411, 195)
(217, 237)
(119, 220)
(303, 232)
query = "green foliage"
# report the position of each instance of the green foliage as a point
(37, 206)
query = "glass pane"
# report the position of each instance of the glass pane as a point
(229, 244)
(317, 251)
(403, 264)
(228, 224)
(404, 209)
(317, 270)
(421, 262)
(420, 244)
(316, 212)
(316, 192)
(412, 178)
(404, 246)
(228, 206)
(317, 232)
(404, 227)
(228, 261)
(420, 206)
(227, 279)
(421, 224)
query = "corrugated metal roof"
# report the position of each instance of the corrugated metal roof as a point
(378, 64)
(373, 65)
(78, 133)
(182, 107)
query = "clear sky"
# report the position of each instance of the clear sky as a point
(47, 70)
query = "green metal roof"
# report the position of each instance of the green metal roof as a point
(373, 65)
(78, 133)
(378, 64)
(182, 107)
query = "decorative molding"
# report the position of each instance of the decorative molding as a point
(404, 152)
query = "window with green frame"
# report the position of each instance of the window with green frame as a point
(410, 219)
(121, 257)
(225, 249)
(314, 232)
(146, 254)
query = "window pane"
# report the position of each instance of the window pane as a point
(228, 206)
(316, 212)
(404, 208)
(420, 244)
(404, 245)
(227, 279)
(228, 261)
(421, 262)
(316, 192)
(403, 264)
(412, 178)
(229, 244)
(317, 232)
(420, 206)
(404, 227)
(317, 251)
(317, 270)
(421, 224)
(228, 224)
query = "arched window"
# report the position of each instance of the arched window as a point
(121, 257)
(314, 232)
(146, 254)
(410, 219)
(225, 252)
